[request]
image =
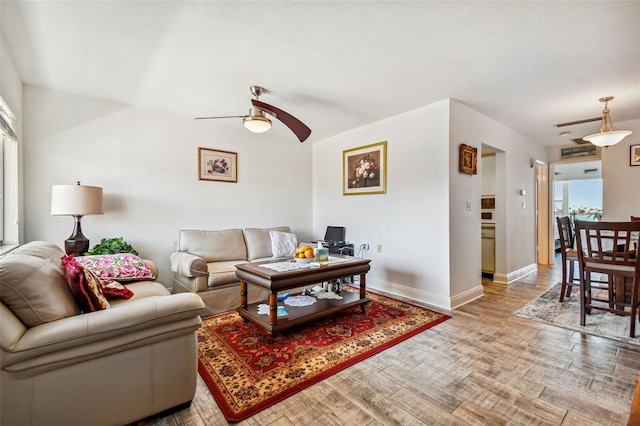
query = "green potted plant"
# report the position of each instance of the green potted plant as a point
(112, 246)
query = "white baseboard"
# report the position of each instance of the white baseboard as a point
(515, 275)
(422, 297)
(466, 297)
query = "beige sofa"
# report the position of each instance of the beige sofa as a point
(109, 367)
(205, 263)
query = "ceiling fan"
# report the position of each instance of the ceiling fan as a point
(257, 122)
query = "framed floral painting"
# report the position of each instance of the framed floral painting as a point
(364, 170)
(215, 164)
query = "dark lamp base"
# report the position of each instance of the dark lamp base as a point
(77, 243)
(76, 246)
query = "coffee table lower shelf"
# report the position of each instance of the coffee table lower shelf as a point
(302, 314)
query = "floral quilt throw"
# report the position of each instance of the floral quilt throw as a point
(118, 267)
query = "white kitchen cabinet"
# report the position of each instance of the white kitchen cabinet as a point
(489, 249)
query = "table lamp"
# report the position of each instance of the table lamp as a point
(77, 201)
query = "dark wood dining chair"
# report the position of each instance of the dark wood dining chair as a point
(569, 256)
(605, 248)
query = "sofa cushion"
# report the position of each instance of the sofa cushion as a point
(142, 289)
(222, 273)
(214, 246)
(43, 250)
(121, 267)
(283, 244)
(259, 241)
(85, 287)
(35, 289)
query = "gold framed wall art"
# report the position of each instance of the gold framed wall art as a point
(364, 170)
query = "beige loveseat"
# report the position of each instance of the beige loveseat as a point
(109, 367)
(205, 263)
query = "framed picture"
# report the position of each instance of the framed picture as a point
(215, 164)
(364, 170)
(634, 155)
(468, 159)
(579, 151)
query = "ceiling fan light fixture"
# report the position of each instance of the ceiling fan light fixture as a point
(256, 122)
(607, 135)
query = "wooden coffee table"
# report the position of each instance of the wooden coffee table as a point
(256, 274)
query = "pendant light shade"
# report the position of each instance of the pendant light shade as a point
(607, 135)
(605, 139)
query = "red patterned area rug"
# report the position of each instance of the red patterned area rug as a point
(247, 370)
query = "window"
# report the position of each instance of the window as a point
(7, 136)
(1, 189)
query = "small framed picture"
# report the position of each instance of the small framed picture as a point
(634, 155)
(215, 164)
(468, 159)
(364, 170)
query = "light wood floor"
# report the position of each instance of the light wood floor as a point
(481, 367)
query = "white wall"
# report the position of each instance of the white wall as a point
(431, 242)
(515, 225)
(487, 171)
(411, 220)
(146, 162)
(620, 181)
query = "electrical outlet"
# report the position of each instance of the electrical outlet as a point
(379, 248)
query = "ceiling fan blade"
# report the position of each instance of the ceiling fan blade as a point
(298, 127)
(226, 116)
(572, 123)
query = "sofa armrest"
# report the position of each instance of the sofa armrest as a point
(104, 326)
(152, 265)
(188, 265)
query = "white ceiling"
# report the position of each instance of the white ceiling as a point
(339, 65)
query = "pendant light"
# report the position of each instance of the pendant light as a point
(607, 135)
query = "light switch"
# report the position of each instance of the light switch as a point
(469, 205)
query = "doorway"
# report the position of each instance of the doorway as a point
(493, 212)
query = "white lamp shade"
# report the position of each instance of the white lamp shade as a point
(607, 138)
(257, 124)
(76, 200)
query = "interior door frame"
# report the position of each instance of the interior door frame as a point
(543, 214)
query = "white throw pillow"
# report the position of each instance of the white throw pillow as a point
(283, 244)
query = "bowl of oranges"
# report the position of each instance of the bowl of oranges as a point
(304, 254)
